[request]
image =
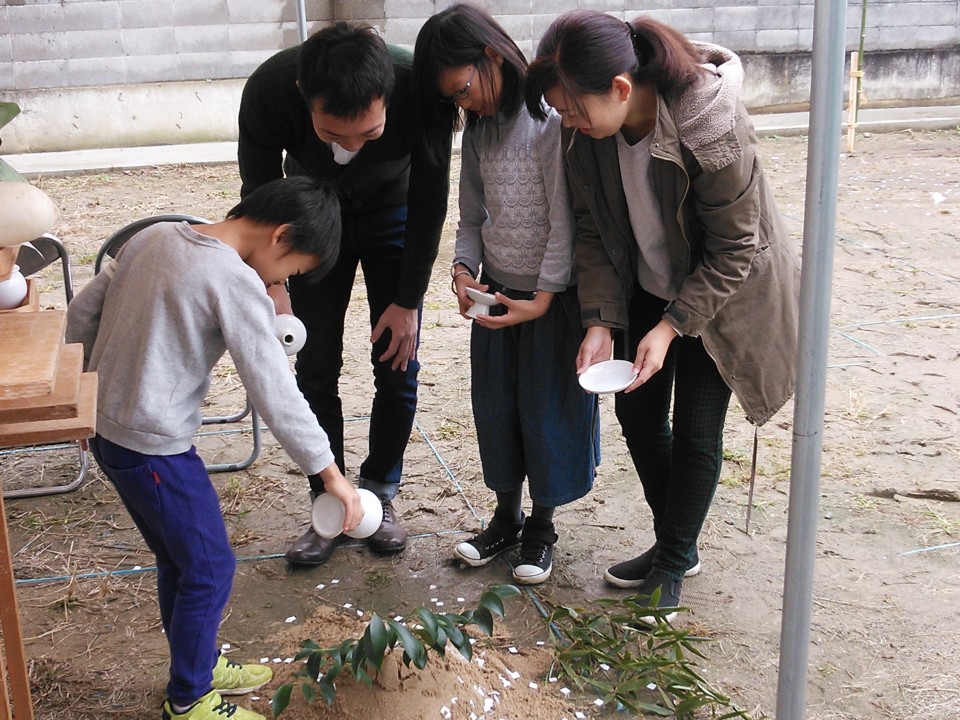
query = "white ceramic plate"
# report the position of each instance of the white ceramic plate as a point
(481, 297)
(609, 376)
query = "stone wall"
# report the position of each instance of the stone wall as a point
(109, 73)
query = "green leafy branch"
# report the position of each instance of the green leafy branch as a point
(363, 657)
(647, 667)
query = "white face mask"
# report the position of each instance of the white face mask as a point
(341, 156)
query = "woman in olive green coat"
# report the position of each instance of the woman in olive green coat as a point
(680, 249)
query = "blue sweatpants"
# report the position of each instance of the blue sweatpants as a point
(176, 508)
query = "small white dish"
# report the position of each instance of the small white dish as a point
(328, 512)
(609, 376)
(482, 302)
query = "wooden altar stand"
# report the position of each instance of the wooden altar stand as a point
(45, 397)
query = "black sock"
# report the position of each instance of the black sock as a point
(509, 504)
(543, 512)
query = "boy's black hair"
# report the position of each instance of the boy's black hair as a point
(309, 207)
(347, 67)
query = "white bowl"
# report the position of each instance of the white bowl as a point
(328, 513)
(609, 376)
(482, 302)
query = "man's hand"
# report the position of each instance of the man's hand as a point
(281, 299)
(518, 311)
(401, 322)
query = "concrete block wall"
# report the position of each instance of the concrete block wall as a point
(93, 73)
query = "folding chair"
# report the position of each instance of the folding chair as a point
(109, 250)
(46, 250)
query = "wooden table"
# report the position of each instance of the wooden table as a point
(45, 397)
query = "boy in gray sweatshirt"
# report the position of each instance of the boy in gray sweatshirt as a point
(153, 325)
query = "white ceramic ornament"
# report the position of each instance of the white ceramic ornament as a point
(26, 213)
(13, 290)
(291, 333)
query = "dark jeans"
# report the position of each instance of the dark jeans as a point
(678, 464)
(375, 242)
(176, 509)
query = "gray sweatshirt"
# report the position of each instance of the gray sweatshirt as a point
(155, 322)
(515, 217)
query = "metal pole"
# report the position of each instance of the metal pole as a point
(302, 20)
(819, 224)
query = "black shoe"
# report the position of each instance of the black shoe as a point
(631, 573)
(497, 537)
(669, 601)
(311, 549)
(536, 552)
(389, 537)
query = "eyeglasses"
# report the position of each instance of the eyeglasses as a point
(463, 92)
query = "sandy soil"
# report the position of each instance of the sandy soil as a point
(887, 592)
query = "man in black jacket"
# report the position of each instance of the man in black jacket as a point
(341, 106)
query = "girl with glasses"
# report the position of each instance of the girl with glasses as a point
(514, 240)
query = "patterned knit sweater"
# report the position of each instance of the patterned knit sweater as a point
(515, 217)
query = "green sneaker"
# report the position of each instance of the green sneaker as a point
(210, 707)
(232, 678)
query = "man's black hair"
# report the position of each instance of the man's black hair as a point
(347, 67)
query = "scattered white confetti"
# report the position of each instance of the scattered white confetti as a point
(445, 711)
(937, 199)
(359, 613)
(488, 704)
(514, 674)
(288, 660)
(433, 600)
(473, 716)
(473, 641)
(264, 661)
(533, 686)
(604, 666)
(278, 660)
(398, 618)
(513, 650)
(291, 619)
(565, 691)
(137, 567)
(453, 701)
(334, 582)
(321, 586)
(598, 702)
(348, 605)
(579, 715)
(652, 686)
(480, 661)
(225, 647)
(461, 599)
(439, 604)
(254, 697)
(539, 642)
(433, 587)
(460, 679)
(552, 679)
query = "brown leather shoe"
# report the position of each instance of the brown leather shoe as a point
(311, 549)
(389, 537)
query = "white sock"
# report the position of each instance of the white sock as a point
(180, 709)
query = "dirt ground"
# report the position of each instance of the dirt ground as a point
(887, 588)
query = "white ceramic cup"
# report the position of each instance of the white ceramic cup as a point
(328, 513)
(291, 333)
(13, 290)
